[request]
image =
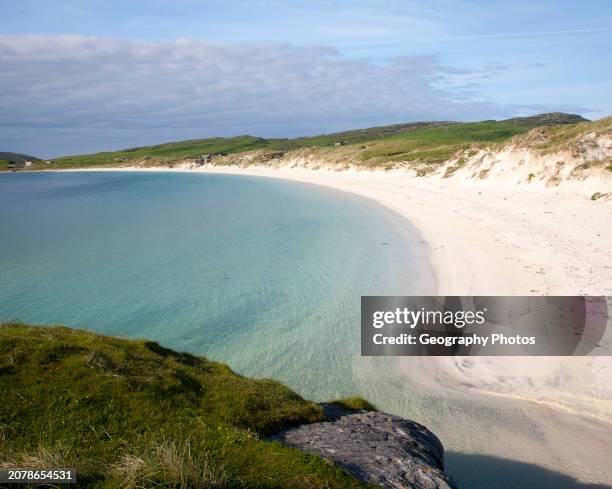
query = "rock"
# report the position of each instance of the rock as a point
(375, 447)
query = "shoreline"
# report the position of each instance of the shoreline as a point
(485, 239)
(533, 239)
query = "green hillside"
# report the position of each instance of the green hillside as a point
(134, 414)
(172, 152)
(436, 144)
(433, 141)
(550, 119)
(420, 142)
(168, 152)
(5, 157)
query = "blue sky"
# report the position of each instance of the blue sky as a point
(82, 76)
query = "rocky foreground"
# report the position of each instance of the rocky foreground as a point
(375, 447)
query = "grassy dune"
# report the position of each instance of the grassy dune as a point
(421, 143)
(176, 151)
(437, 144)
(133, 414)
(424, 142)
(559, 138)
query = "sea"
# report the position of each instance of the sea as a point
(263, 274)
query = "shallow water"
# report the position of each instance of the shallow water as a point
(265, 275)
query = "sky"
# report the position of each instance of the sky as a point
(79, 76)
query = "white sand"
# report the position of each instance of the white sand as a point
(487, 238)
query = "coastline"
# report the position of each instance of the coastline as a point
(491, 239)
(533, 239)
(497, 240)
(483, 238)
(472, 230)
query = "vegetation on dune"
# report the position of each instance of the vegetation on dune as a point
(549, 119)
(131, 413)
(172, 152)
(359, 135)
(375, 147)
(167, 153)
(423, 143)
(559, 138)
(435, 145)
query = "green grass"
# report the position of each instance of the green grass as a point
(354, 404)
(558, 138)
(130, 413)
(428, 142)
(469, 132)
(167, 153)
(435, 145)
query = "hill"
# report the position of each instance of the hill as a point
(17, 157)
(550, 119)
(134, 414)
(429, 142)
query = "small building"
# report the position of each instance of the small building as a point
(339, 143)
(28, 163)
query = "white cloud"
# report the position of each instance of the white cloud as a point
(61, 94)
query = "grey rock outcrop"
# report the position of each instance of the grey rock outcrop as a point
(375, 447)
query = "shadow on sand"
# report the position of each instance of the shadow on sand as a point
(485, 472)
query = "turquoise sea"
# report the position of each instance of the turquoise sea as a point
(263, 274)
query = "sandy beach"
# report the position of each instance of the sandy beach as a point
(485, 238)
